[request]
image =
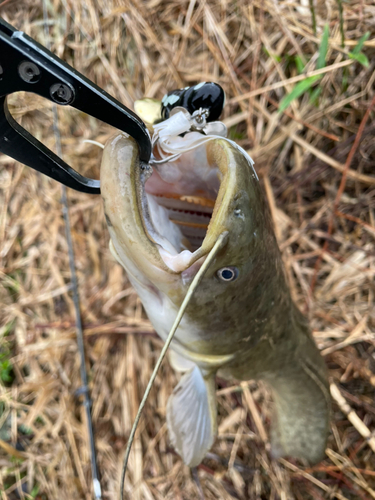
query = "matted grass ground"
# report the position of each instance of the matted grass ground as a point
(317, 164)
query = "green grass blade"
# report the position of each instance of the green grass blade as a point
(299, 64)
(298, 90)
(361, 58)
(321, 62)
(357, 49)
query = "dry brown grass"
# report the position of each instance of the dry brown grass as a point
(139, 48)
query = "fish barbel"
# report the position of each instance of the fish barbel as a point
(241, 321)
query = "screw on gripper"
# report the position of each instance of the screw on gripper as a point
(61, 93)
(29, 72)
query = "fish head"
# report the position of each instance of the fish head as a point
(166, 219)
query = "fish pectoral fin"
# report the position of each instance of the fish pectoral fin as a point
(192, 416)
(179, 363)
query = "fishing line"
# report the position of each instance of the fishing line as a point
(64, 201)
(220, 242)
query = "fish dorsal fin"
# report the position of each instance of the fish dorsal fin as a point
(192, 416)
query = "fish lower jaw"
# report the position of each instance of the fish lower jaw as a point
(178, 262)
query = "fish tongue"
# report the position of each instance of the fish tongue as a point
(192, 416)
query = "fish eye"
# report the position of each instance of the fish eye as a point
(227, 274)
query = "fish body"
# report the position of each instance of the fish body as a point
(241, 321)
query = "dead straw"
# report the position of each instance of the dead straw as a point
(138, 48)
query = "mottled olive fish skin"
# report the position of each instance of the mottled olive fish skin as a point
(248, 328)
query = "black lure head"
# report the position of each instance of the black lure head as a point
(205, 95)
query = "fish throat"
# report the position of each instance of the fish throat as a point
(178, 203)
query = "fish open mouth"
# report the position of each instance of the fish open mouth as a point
(181, 196)
(169, 215)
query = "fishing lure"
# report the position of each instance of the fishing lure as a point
(206, 96)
